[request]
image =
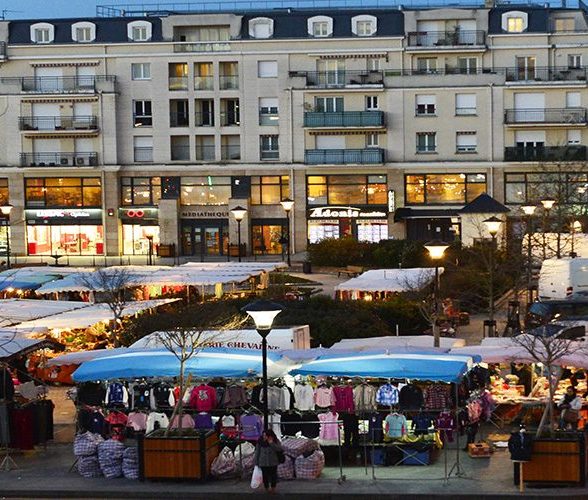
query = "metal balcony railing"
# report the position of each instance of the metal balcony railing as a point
(269, 154)
(179, 119)
(180, 153)
(205, 152)
(343, 156)
(58, 123)
(269, 119)
(230, 118)
(63, 84)
(344, 119)
(455, 38)
(58, 159)
(545, 153)
(205, 119)
(202, 47)
(229, 82)
(230, 152)
(570, 116)
(340, 78)
(178, 83)
(203, 83)
(544, 74)
(143, 154)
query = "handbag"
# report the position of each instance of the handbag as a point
(256, 478)
(571, 416)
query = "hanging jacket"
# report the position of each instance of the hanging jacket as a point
(520, 446)
(203, 398)
(117, 395)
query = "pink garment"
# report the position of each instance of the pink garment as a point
(344, 398)
(474, 411)
(187, 422)
(137, 421)
(328, 431)
(324, 397)
(117, 418)
(203, 398)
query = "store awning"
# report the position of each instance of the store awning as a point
(390, 280)
(426, 366)
(412, 213)
(393, 342)
(14, 347)
(229, 363)
(14, 311)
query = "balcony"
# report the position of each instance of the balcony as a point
(440, 39)
(544, 116)
(230, 152)
(342, 78)
(545, 153)
(143, 154)
(202, 47)
(58, 123)
(179, 119)
(203, 83)
(545, 74)
(344, 119)
(59, 84)
(178, 83)
(229, 82)
(58, 159)
(366, 156)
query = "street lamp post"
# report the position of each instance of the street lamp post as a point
(287, 205)
(149, 234)
(547, 206)
(529, 210)
(436, 249)
(575, 227)
(493, 226)
(239, 214)
(5, 210)
(263, 313)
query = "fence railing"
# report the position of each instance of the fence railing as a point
(59, 159)
(446, 38)
(344, 119)
(546, 115)
(343, 156)
(58, 122)
(545, 153)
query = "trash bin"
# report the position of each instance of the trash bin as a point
(306, 268)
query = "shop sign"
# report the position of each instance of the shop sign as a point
(344, 213)
(203, 212)
(66, 215)
(391, 200)
(138, 214)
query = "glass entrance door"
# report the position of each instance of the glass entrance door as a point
(200, 241)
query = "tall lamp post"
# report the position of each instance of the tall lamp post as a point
(547, 206)
(263, 313)
(493, 226)
(529, 210)
(436, 249)
(149, 235)
(575, 227)
(239, 214)
(288, 205)
(5, 210)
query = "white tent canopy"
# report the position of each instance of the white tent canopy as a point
(392, 342)
(91, 315)
(14, 311)
(390, 280)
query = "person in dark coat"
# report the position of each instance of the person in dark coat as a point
(267, 457)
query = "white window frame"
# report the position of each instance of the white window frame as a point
(466, 110)
(46, 28)
(270, 69)
(466, 146)
(372, 103)
(469, 70)
(143, 75)
(139, 25)
(323, 21)
(273, 142)
(254, 23)
(429, 69)
(372, 63)
(372, 140)
(425, 105)
(574, 137)
(514, 14)
(431, 138)
(359, 23)
(574, 61)
(90, 28)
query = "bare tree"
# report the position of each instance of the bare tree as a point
(109, 285)
(551, 351)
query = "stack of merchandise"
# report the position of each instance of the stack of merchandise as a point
(110, 457)
(130, 464)
(86, 452)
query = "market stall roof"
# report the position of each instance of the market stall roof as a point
(214, 362)
(79, 357)
(14, 311)
(390, 280)
(31, 278)
(12, 347)
(389, 342)
(415, 366)
(91, 315)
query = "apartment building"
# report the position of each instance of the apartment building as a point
(380, 123)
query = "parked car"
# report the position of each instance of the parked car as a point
(572, 311)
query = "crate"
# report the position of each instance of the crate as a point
(479, 450)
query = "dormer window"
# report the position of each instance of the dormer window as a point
(42, 33)
(83, 32)
(514, 22)
(261, 27)
(139, 31)
(364, 25)
(320, 26)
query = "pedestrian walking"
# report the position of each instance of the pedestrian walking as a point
(268, 455)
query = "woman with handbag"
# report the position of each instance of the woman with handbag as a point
(268, 455)
(570, 405)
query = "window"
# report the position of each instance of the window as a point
(140, 191)
(269, 190)
(230, 112)
(364, 25)
(3, 191)
(346, 190)
(466, 142)
(65, 239)
(83, 32)
(42, 33)
(465, 104)
(210, 34)
(142, 116)
(267, 69)
(268, 111)
(141, 71)
(526, 68)
(574, 61)
(328, 104)
(143, 148)
(427, 65)
(426, 142)
(467, 65)
(331, 72)
(568, 188)
(425, 105)
(573, 100)
(204, 112)
(458, 189)
(371, 103)
(320, 26)
(261, 27)
(565, 24)
(205, 190)
(139, 31)
(63, 192)
(574, 137)
(267, 239)
(269, 147)
(177, 76)
(514, 22)
(135, 240)
(203, 76)
(372, 140)
(372, 63)
(229, 75)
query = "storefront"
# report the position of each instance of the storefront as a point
(138, 224)
(64, 231)
(269, 236)
(204, 231)
(361, 223)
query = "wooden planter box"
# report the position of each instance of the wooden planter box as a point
(557, 461)
(181, 458)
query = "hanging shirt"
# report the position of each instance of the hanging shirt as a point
(163, 396)
(396, 425)
(437, 397)
(303, 397)
(186, 420)
(203, 421)
(234, 397)
(116, 395)
(310, 426)
(251, 427)
(228, 426)
(137, 421)
(291, 423)
(410, 397)
(344, 398)
(421, 424)
(156, 421)
(376, 428)
(274, 421)
(324, 397)
(203, 398)
(387, 395)
(364, 397)
(141, 397)
(329, 429)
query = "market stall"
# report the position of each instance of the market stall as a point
(393, 342)
(14, 311)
